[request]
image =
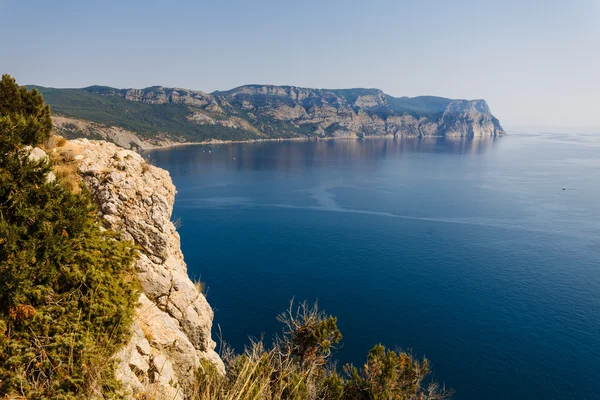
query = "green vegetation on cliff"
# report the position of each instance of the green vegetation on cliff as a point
(66, 294)
(149, 121)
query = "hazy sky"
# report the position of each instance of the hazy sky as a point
(537, 63)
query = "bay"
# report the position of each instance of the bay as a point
(481, 254)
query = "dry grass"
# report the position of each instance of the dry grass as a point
(147, 332)
(298, 366)
(63, 154)
(201, 287)
(147, 163)
(68, 177)
(55, 141)
(252, 378)
(177, 223)
(273, 373)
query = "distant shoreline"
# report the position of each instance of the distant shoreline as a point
(307, 139)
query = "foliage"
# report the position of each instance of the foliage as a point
(24, 117)
(309, 335)
(66, 296)
(390, 375)
(299, 366)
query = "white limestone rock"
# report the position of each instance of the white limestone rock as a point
(35, 154)
(172, 328)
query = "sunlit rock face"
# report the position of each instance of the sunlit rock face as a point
(172, 329)
(360, 112)
(469, 118)
(267, 111)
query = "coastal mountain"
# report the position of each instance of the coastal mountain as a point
(155, 116)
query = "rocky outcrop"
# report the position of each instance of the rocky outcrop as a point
(469, 118)
(172, 328)
(35, 154)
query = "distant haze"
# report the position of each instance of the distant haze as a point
(537, 63)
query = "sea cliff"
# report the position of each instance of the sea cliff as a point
(160, 116)
(171, 332)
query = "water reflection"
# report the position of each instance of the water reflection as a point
(294, 155)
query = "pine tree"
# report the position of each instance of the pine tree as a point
(24, 117)
(66, 296)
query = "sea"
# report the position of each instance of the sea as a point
(482, 255)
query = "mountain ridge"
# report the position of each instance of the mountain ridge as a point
(160, 115)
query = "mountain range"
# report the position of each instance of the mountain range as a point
(159, 116)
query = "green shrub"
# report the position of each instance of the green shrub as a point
(66, 292)
(391, 374)
(24, 117)
(299, 367)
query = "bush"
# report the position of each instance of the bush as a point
(24, 117)
(66, 292)
(299, 366)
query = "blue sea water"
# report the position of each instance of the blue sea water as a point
(468, 252)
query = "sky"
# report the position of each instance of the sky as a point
(537, 63)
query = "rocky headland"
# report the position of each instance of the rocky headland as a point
(159, 116)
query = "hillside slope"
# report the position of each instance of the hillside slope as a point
(159, 115)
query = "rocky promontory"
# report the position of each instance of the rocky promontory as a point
(171, 332)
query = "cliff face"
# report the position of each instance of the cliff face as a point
(469, 118)
(172, 329)
(295, 111)
(159, 115)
